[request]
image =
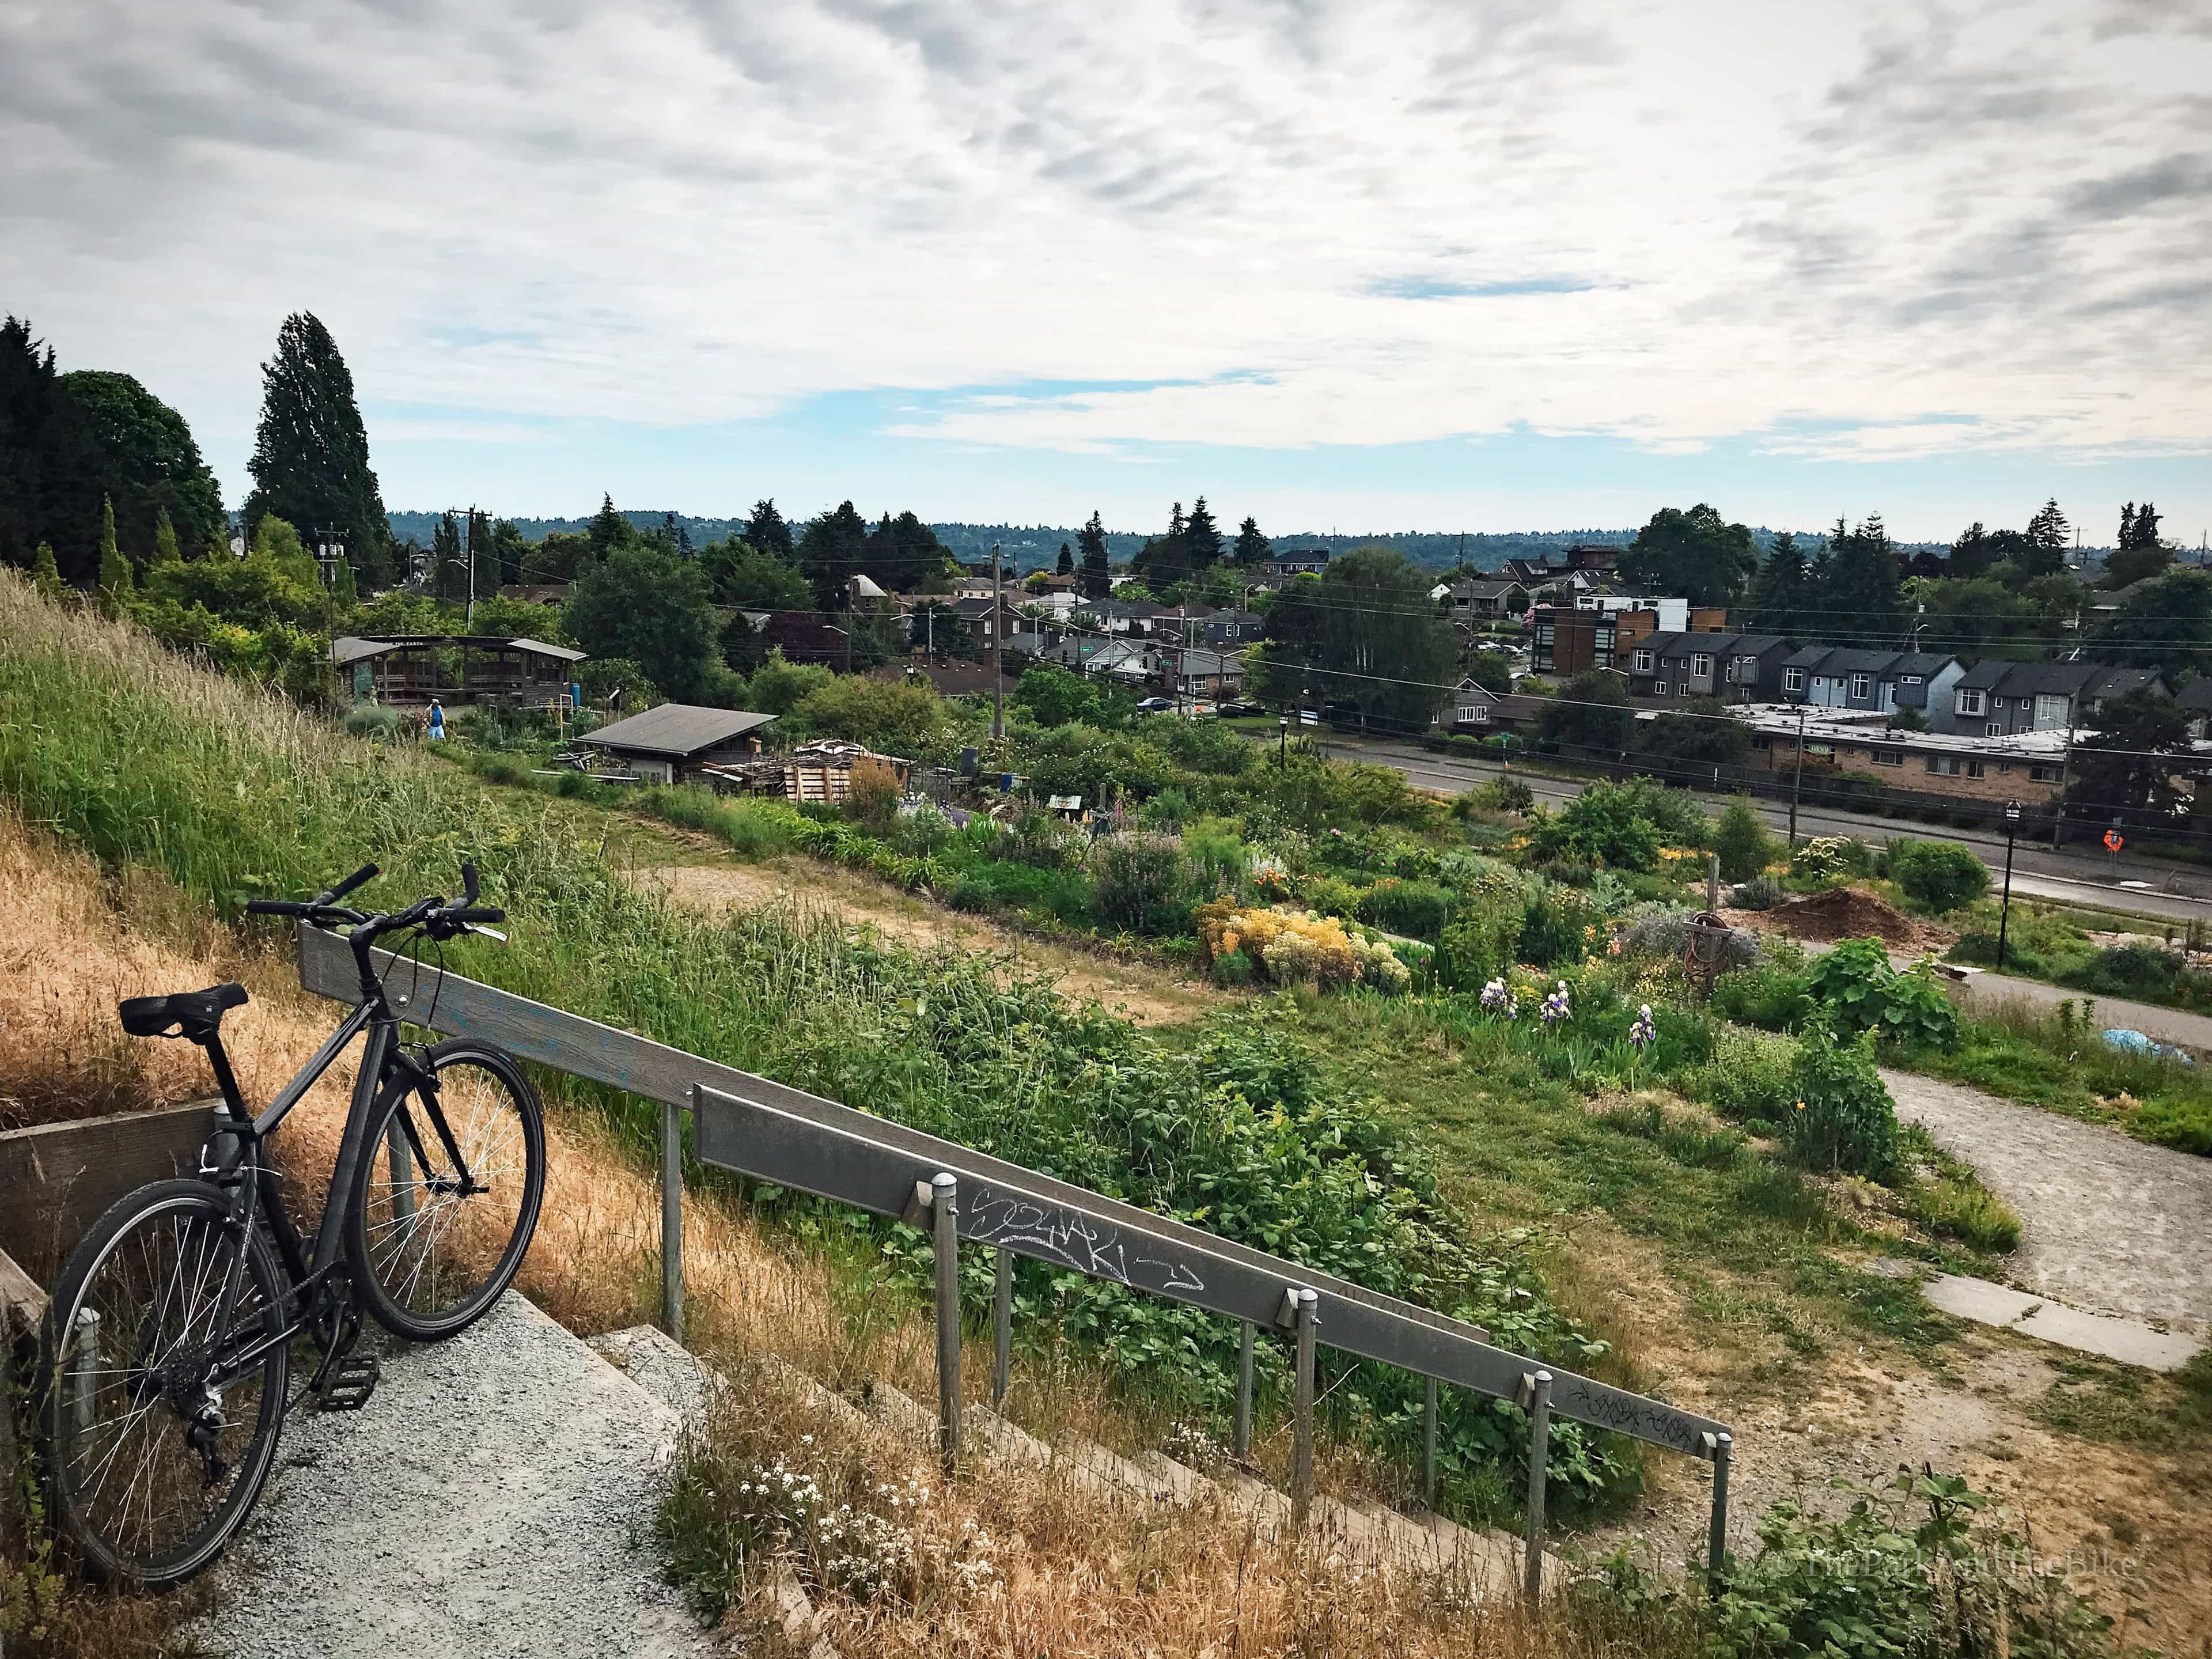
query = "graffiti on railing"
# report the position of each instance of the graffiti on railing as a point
(1075, 1240)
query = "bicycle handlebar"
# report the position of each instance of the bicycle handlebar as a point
(443, 920)
(366, 872)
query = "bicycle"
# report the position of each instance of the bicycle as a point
(166, 1361)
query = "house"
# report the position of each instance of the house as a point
(410, 669)
(1308, 562)
(802, 637)
(1137, 618)
(1213, 628)
(2196, 701)
(989, 619)
(2001, 699)
(2027, 767)
(670, 742)
(1490, 597)
(1472, 709)
(1123, 661)
(1197, 673)
(1567, 640)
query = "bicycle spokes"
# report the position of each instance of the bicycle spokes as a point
(435, 1224)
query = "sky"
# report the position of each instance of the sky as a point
(1341, 265)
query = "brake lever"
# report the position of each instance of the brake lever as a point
(492, 933)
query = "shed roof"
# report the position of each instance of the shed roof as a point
(677, 729)
(349, 649)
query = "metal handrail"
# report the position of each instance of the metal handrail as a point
(770, 1132)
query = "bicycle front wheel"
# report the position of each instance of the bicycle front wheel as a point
(446, 1196)
(153, 1455)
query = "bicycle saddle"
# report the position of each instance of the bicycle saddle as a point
(195, 1014)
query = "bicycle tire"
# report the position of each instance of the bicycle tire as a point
(408, 1261)
(116, 1272)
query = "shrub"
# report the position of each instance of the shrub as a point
(1417, 909)
(1040, 839)
(1139, 882)
(1219, 860)
(1750, 1079)
(1604, 824)
(1666, 933)
(1842, 1118)
(1831, 858)
(871, 793)
(1759, 893)
(1940, 874)
(1293, 947)
(1232, 967)
(1681, 822)
(1765, 994)
(373, 720)
(1969, 1214)
(1482, 940)
(1556, 928)
(1504, 794)
(1745, 845)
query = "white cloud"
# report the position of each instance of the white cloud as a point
(1903, 231)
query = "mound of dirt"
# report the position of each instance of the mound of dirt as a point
(1852, 913)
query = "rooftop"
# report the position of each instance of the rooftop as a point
(677, 729)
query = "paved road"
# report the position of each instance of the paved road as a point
(2168, 892)
(2108, 1222)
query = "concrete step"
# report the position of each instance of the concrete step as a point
(493, 1496)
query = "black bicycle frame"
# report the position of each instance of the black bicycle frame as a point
(385, 1068)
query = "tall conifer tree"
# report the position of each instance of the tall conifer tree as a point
(310, 461)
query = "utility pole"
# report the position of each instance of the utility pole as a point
(1798, 773)
(2004, 915)
(469, 543)
(997, 641)
(2065, 764)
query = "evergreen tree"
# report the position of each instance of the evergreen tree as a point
(609, 529)
(164, 539)
(1252, 548)
(834, 550)
(2049, 536)
(1859, 587)
(768, 534)
(2126, 760)
(509, 550)
(114, 568)
(1781, 592)
(1971, 555)
(45, 576)
(1164, 561)
(904, 554)
(150, 466)
(1202, 538)
(1066, 566)
(50, 464)
(2140, 554)
(2166, 625)
(310, 462)
(1093, 580)
(448, 576)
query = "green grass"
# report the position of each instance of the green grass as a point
(2097, 1399)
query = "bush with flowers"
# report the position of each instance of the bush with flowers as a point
(1296, 947)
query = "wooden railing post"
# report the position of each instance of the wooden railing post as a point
(1429, 1441)
(1722, 1447)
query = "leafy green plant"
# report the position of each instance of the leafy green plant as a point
(1482, 940)
(1966, 1211)
(1859, 991)
(1605, 824)
(1504, 794)
(1843, 1119)
(1140, 883)
(1744, 843)
(1418, 909)
(1940, 874)
(1556, 928)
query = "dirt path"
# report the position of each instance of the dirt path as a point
(1145, 992)
(2110, 1224)
(2175, 1025)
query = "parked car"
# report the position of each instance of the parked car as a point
(1156, 706)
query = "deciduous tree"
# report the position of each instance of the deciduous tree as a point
(649, 605)
(1695, 554)
(150, 466)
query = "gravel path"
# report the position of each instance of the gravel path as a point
(494, 1498)
(2173, 1026)
(2111, 1224)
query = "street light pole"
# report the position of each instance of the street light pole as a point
(2004, 915)
(997, 669)
(1283, 743)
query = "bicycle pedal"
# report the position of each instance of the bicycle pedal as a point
(349, 1384)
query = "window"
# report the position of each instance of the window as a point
(1659, 689)
(1889, 757)
(1973, 769)
(1793, 679)
(1944, 766)
(1644, 662)
(1972, 702)
(1909, 679)
(1996, 729)
(2042, 773)
(1762, 745)
(1861, 684)
(1701, 666)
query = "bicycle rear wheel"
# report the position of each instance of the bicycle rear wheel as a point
(149, 1471)
(432, 1243)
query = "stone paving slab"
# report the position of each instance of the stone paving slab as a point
(2128, 1340)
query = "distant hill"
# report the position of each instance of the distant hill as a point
(1033, 547)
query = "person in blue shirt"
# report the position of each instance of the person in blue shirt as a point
(437, 722)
